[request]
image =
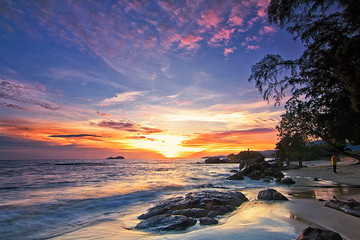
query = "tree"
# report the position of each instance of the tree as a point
(324, 81)
(291, 146)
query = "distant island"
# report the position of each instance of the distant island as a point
(118, 157)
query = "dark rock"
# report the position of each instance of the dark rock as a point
(208, 221)
(166, 206)
(236, 176)
(166, 222)
(192, 212)
(118, 157)
(248, 162)
(351, 207)
(287, 181)
(208, 203)
(318, 234)
(278, 174)
(315, 179)
(271, 194)
(233, 170)
(266, 180)
(321, 200)
(214, 160)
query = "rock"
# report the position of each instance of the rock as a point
(192, 212)
(315, 179)
(271, 194)
(208, 221)
(118, 157)
(166, 206)
(287, 181)
(206, 203)
(318, 234)
(351, 207)
(214, 160)
(166, 222)
(236, 176)
(248, 162)
(234, 171)
(266, 180)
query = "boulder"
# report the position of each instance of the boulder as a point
(287, 181)
(166, 222)
(236, 176)
(206, 203)
(271, 194)
(208, 221)
(248, 162)
(192, 212)
(318, 234)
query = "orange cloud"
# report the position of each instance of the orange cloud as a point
(256, 138)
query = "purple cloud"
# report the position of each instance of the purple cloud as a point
(23, 93)
(126, 126)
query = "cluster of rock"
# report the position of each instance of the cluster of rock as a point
(257, 169)
(351, 206)
(182, 212)
(232, 158)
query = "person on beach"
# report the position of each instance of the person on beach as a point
(333, 163)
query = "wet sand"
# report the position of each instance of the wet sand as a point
(344, 185)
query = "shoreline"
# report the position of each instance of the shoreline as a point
(347, 172)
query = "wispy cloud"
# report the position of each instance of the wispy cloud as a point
(122, 97)
(24, 94)
(126, 34)
(73, 136)
(126, 126)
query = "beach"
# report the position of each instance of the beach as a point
(102, 199)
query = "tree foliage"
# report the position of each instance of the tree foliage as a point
(324, 81)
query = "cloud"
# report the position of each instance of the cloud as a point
(228, 139)
(122, 97)
(209, 18)
(222, 35)
(126, 126)
(227, 51)
(267, 30)
(103, 114)
(190, 41)
(73, 135)
(142, 138)
(252, 47)
(25, 94)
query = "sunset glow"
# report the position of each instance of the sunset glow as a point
(142, 79)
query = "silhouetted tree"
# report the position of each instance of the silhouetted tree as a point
(324, 81)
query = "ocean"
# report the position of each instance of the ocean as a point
(68, 199)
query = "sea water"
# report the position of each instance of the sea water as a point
(42, 199)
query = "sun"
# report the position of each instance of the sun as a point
(168, 145)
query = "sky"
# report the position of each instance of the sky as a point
(141, 79)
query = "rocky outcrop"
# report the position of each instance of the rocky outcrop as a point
(118, 157)
(214, 160)
(256, 169)
(271, 194)
(351, 206)
(204, 205)
(318, 234)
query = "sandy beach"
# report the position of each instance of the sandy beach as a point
(347, 171)
(313, 212)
